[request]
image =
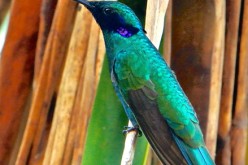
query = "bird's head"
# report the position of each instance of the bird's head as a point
(114, 17)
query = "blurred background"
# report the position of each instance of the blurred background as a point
(57, 104)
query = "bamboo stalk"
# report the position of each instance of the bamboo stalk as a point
(50, 70)
(99, 58)
(21, 130)
(78, 48)
(17, 63)
(84, 101)
(62, 129)
(84, 116)
(65, 9)
(130, 142)
(4, 7)
(46, 16)
(216, 77)
(239, 124)
(155, 20)
(65, 101)
(167, 33)
(225, 119)
(88, 92)
(41, 136)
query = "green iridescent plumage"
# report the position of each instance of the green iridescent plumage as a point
(147, 88)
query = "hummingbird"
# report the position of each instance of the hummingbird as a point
(147, 88)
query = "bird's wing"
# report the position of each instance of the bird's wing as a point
(168, 136)
(141, 97)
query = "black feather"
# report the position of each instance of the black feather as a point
(155, 127)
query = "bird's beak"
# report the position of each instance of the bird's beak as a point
(85, 3)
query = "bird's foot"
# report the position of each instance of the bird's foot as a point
(129, 129)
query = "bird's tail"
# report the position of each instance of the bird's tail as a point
(194, 156)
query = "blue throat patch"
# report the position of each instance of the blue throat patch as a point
(124, 32)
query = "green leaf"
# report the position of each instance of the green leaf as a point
(140, 156)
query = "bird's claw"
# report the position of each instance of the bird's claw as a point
(128, 129)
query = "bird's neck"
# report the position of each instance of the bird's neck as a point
(116, 43)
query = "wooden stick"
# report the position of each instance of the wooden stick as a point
(50, 71)
(41, 135)
(239, 124)
(46, 16)
(227, 94)
(65, 101)
(16, 65)
(167, 33)
(55, 147)
(88, 92)
(130, 142)
(99, 58)
(155, 20)
(84, 116)
(4, 8)
(78, 48)
(216, 77)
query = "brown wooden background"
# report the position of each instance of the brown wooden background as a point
(206, 43)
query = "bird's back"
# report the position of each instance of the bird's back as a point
(168, 120)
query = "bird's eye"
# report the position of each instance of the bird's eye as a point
(107, 11)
